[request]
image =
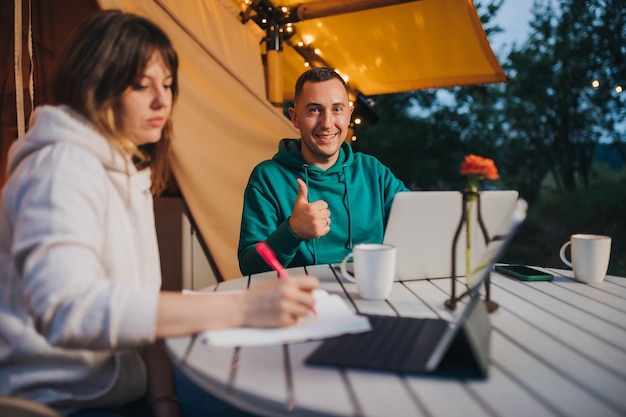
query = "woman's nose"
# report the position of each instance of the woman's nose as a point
(162, 97)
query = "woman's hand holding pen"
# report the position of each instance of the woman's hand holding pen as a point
(279, 302)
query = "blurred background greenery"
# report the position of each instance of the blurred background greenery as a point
(556, 130)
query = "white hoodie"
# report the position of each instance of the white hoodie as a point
(79, 267)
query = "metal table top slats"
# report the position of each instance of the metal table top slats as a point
(557, 349)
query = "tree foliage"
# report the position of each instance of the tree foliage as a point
(556, 116)
(547, 121)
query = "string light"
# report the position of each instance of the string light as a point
(596, 84)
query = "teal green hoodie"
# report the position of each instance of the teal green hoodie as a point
(359, 191)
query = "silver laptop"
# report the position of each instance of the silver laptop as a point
(423, 345)
(422, 225)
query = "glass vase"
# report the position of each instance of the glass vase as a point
(470, 210)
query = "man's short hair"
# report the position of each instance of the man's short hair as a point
(316, 75)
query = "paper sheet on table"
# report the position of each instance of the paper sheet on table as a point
(333, 318)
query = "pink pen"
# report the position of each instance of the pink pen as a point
(268, 256)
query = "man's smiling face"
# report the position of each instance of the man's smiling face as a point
(322, 114)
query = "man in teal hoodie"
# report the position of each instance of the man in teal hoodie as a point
(315, 199)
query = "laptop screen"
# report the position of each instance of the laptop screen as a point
(422, 225)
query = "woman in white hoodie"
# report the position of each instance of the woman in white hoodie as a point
(81, 314)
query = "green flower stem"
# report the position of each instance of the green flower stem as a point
(468, 243)
(470, 197)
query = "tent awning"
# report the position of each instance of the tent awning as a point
(401, 47)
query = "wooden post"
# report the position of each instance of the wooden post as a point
(274, 65)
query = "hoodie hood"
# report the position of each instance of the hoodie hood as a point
(289, 154)
(51, 125)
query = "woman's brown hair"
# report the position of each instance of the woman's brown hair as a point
(106, 54)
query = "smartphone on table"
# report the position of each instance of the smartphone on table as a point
(524, 273)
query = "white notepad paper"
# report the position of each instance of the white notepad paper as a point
(333, 318)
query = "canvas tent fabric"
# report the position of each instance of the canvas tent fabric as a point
(224, 124)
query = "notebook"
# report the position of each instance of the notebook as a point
(422, 225)
(332, 317)
(426, 346)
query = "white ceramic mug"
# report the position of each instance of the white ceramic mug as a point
(590, 256)
(374, 269)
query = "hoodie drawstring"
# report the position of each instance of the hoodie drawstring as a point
(345, 177)
(305, 167)
(349, 243)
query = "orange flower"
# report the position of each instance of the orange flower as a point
(479, 167)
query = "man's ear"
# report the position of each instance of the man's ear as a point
(293, 116)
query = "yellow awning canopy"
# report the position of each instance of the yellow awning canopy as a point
(402, 47)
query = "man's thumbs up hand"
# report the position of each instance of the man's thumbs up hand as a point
(309, 220)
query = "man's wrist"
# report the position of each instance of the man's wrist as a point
(293, 233)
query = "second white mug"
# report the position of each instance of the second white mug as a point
(590, 256)
(374, 269)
